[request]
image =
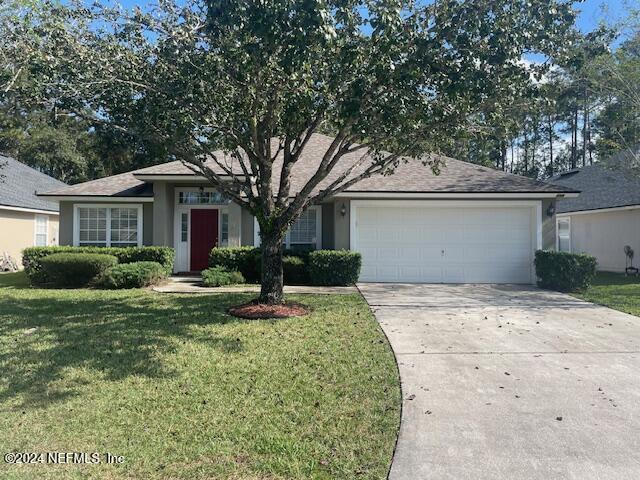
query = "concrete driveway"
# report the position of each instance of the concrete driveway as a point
(511, 382)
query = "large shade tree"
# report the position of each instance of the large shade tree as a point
(390, 79)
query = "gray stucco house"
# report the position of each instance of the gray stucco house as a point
(603, 219)
(470, 224)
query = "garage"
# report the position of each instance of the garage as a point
(446, 241)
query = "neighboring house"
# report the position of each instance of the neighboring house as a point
(25, 219)
(468, 224)
(603, 219)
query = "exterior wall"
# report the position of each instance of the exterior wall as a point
(604, 236)
(163, 202)
(17, 231)
(341, 224)
(66, 223)
(66, 220)
(548, 226)
(158, 221)
(328, 226)
(246, 228)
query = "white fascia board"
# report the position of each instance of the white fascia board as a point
(599, 210)
(415, 196)
(98, 198)
(28, 210)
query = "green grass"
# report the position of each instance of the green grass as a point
(183, 390)
(615, 290)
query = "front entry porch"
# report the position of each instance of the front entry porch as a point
(201, 222)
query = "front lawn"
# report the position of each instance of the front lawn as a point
(183, 390)
(615, 290)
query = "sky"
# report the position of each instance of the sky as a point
(592, 11)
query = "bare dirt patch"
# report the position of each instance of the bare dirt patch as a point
(254, 310)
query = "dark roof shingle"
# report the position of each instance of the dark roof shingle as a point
(411, 176)
(600, 188)
(21, 183)
(121, 185)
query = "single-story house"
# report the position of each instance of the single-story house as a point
(26, 220)
(603, 219)
(468, 224)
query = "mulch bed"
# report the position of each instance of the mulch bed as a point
(254, 310)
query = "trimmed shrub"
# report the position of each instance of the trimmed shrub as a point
(245, 260)
(219, 276)
(75, 269)
(162, 255)
(295, 270)
(32, 257)
(563, 271)
(132, 275)
(334, 267)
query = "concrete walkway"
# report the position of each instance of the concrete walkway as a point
(511, 382)
(183, 284)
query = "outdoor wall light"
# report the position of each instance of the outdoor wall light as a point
(551, 210)
(343, 210)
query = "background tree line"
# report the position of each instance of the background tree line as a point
(585, 109)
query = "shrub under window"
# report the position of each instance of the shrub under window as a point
(32, 257)
(563, 271)
(295, 270)
(132, 275)
(334, 267)
(245, 260)
(75, 269)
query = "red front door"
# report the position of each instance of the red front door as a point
(204, 236)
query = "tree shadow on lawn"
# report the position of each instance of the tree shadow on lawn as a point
(114, 336)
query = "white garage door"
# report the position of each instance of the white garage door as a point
(444, 244)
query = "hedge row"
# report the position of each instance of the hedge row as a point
(334, 267)
(132, 275)
(32, 257)
(320, 267)
(563, 271)
(75, 270)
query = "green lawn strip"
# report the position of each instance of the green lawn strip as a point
(615, 290)
(13, 280)
(183, 390)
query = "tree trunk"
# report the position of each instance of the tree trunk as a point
(574, 139)
(550, 126)
(272, 278)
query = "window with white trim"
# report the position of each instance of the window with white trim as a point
(304, 234)
(202, 197)
(42, 227)
(563, 229)
(224, 229)
(108, 226)
(184, 227)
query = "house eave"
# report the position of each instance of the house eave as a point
(29, 210)
(600, 210)
(459, 195)
(97, 198)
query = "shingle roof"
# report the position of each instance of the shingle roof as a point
(121, 185)
(411, 176)
(20, 183)
(600, 187)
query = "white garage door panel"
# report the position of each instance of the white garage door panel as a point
(440, 244)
